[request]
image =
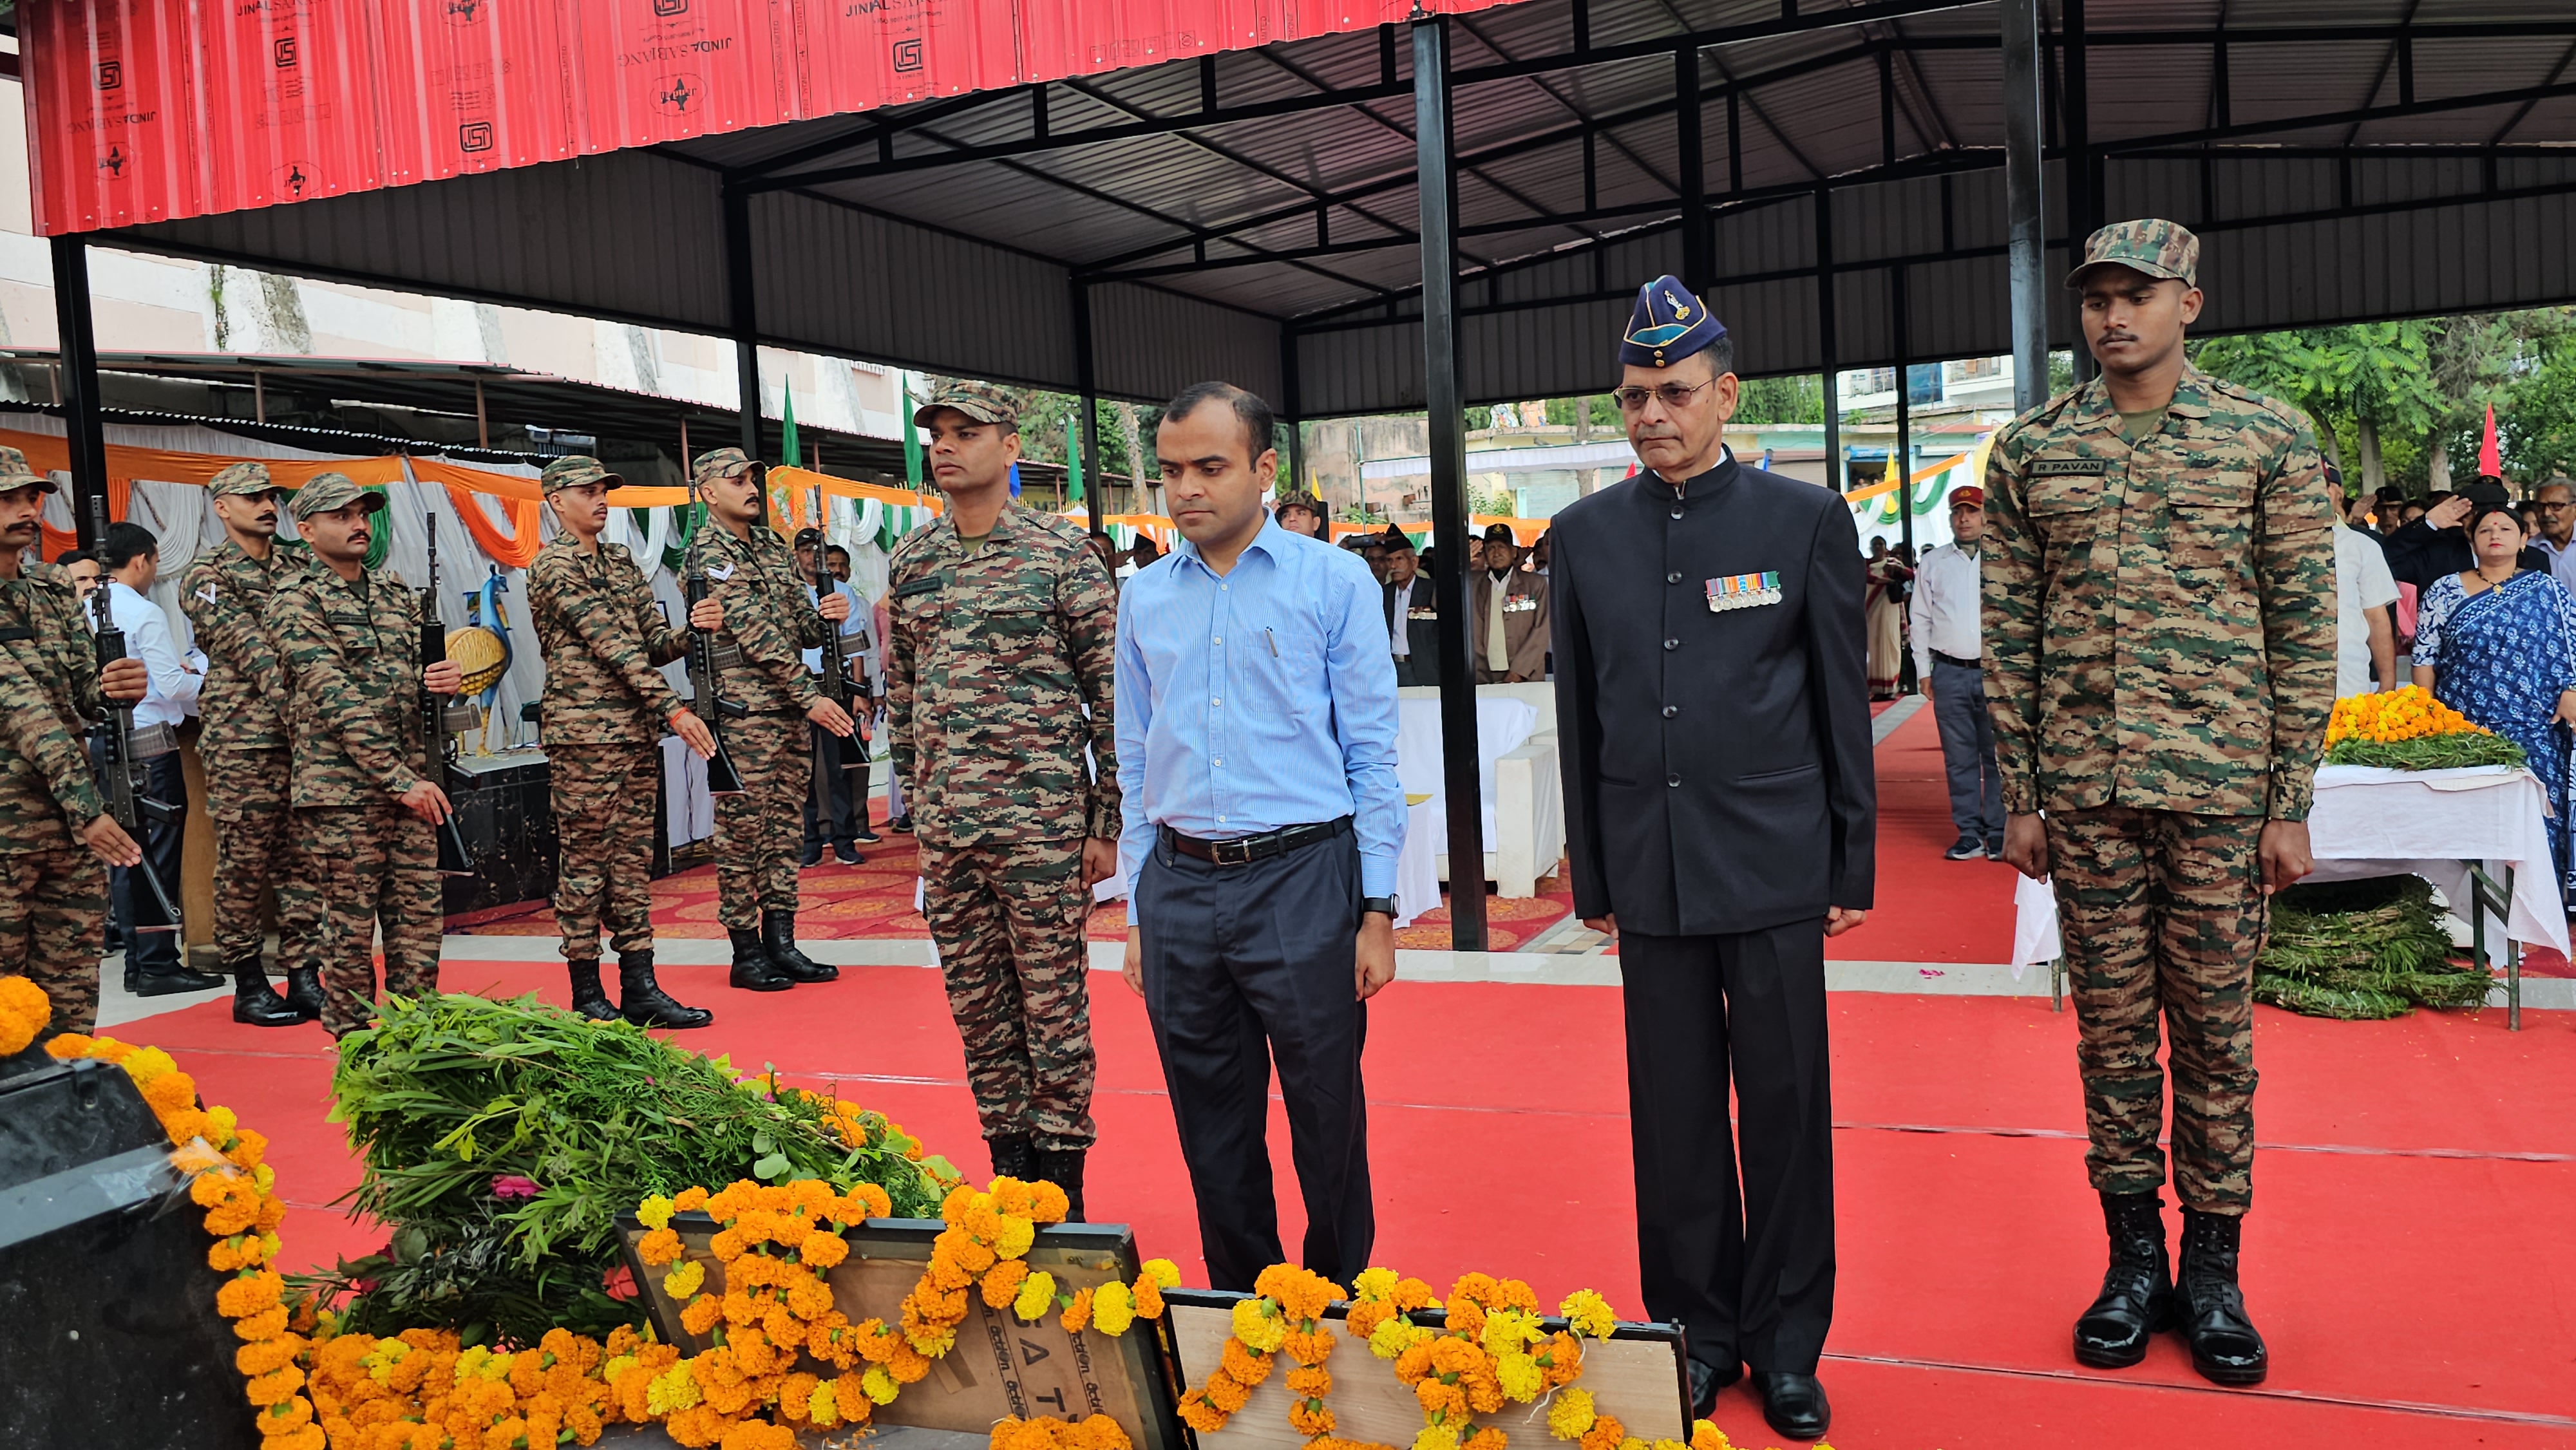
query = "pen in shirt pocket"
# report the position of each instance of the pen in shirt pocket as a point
(1273, 641)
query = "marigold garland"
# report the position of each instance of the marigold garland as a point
(24, 1011)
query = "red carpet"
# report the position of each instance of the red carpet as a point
(1929, 910)
(2417, 1177)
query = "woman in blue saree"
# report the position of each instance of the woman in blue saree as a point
(2498, 645)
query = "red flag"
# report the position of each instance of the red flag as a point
(2490, 458)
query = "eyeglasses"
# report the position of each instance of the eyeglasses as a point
(2551, 508)
(1671, 395)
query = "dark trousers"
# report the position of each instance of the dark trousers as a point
(846, 781)
(1243, 965)
(1968, 750)
(154, 951)
(1745, 1260)
(1407, 674)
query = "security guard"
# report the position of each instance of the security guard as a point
(768, 624)
(1005, 630)
(226, 595)
(56, 838)
(605, 704)
(2160, 664)
(365, 811)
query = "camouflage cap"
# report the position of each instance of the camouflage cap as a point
(718, 463)
(241, 479)
(1306, 501)
(573, 470)
(325, 492)
(2151, 245)
(15, 474)
(983, 402)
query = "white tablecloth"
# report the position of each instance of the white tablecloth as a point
(1503, 725)
(2371, 822)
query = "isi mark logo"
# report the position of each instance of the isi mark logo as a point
(293, 181)
(462, 13)
(679, 95)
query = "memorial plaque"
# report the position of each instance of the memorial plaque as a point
(999, 1366)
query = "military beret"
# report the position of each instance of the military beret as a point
(244, 480)
(983, 402)
(15, 474)
(573, 470)
(1669, 324)
(718, 463)
(329, 492)
(2151, 245)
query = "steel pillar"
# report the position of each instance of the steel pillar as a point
(1086, 437)
(1435, 160)
(77, 382)
(740, 313)
(2026, 216)
(2083, 174)
(1824, 205)
(1904, 454)
(1698, 261)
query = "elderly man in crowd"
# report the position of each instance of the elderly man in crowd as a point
(1507, 612)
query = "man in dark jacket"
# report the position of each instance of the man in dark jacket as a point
(1715, 737)
(2433, 545)
(1412, 614)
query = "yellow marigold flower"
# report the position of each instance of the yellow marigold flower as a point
(673, 1389)
(1013, 1237)
(147, 1065)
(1391, 1339)
(1163, 1272)
(1570, 1416)
(654, 1212)
(1520, 1376)
(1036, 1296)
(1113, 1308)
(878, 1385)
(1588, 1314)
(1436, 1437)
(822, 1408)
(683, 1281)
(1257, 1327)
(1374, 1284)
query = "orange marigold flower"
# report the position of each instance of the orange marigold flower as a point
(1149, 1297)
(1485, 1439)
(1310, 1417)
(249, 1294)
(1002, 1284)
(822, 1249)
(1227, 1393)
(660, 1246)
(1605, 1434)
(1200, 1415)
(689, 1200)
(1077, 1314)
(1243, 1365)
(1051, 1205)
(1310, 1381)
(701, 1315)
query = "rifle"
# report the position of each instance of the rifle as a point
(836, 678)
(704, 701)
(455, 858)
(115, 736)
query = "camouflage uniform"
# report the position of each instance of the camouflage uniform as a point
(996, 656)
(352, 655)
(2160, 664)
(226, 595)
(605, 703)
(760, 661)
(53, 891)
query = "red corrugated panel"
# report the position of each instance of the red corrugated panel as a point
(112, 130)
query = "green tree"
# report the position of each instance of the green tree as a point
(1790, 400)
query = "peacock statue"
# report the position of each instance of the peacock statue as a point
(482, 649)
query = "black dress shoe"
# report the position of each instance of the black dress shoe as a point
(2137, 1297)
(2225, 1346)
(1705, 1381)
(1793, 1404)
(752, 969)
(167, 981)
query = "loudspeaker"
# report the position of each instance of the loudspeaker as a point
(108, 1329)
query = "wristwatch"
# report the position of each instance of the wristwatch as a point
(1384, 905)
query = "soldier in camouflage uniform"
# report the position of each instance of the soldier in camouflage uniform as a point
(365, 811)
(604, 709)
(2160, 662)
(226, 595)
(1004, 635)
(760, 664)
(56, 838)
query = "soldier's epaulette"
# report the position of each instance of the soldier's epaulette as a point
(2289, 414)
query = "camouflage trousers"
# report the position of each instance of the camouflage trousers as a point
(53, 907)
(2163, 912)
(254, 852)
(761, 832)
(603, 808)
(1009, 924)
(373, 865)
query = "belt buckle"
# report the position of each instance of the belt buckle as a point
(1231, 853)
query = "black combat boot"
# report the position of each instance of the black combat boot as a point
(1014, 1156)
(304, 992)
(2225, 1347)
(752, 969)
(1063, 1168)
(643, 1001)
(778, 939)
(587, 999)
(2137, 1296)
(255, 1003)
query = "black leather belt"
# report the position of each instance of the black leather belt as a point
(1244, 850)
(1955, 660)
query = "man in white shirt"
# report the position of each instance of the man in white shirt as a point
(2557, 536)
(1947, 650)
(845, 760)
(2365, 642)
(129, 560)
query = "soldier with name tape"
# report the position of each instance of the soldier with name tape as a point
(1003, 663)
(56, 838)
(2160, 664)
(245, 746)
(366, 803)
(605, 705)
(769, 622)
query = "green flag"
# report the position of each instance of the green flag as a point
(911, 442)
(1073, 464)
(788, 452)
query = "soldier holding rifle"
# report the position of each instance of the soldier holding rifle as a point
(56, 836)
(605, 703)
(365, 811)
(836, 810)
(758, 653)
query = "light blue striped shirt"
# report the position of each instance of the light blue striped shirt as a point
(1262, 699)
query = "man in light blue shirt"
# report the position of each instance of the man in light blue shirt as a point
(130, 563)
(1256, 753)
